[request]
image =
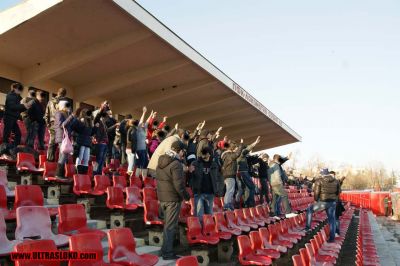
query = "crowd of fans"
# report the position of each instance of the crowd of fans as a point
(177, 158)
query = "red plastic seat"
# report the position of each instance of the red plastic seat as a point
(305, 259)
(119, 181)
(233, 222)
(222, 225)
(241, 219)
(133, 197)
(151, 216)
(297, 261)
(70, 170)
(218, 205)
(149, 182)
(258, 249)
(249, 214)
(30, 195)
(34, 222)
(266, 241)
(122, 249)
(49, 171)
(26, 162)
(210, 228)
(317, 259)
(115, 199)
(135, 181)
(276, 238)
(6, 246)
(72, 220)
(88, 243)
(114, 164)
(42, 160)
(45, 245)
(194, 233)
(187, 261)
(246, 254)
(101, 183)
(185, 212)
(149, 194)
(82, 184)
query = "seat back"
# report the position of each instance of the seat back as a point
(149, 194)
(101, 182)
(49, 169)
(194, 227)
(119, 181)
(231, 218)
(310, 251)
(187, 261)
(265, 236)
(3, 177)
(240, 216)
(28, 195)
(244, 246)
(314, 246)
(86, 243)
(33, 222)
(208, 225)
(115, 196)
(71, 217)
(120, 241)
(273, 235)
(247, 215)
(304, 257)
(135, 181)
(297, 260)
(70, 170)
(255, 239)
(81, 183)
(42, 160)
(25, 160)
(220, 221)
(133, 195)
(218, 206)
(3, 198)
(36, 245)
(3, 230)
(150, 210)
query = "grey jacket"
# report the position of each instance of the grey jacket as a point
(275, 174)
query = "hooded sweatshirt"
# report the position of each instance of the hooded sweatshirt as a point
(326, 188)
(170, 179)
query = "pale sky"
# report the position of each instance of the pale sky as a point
(328, 69)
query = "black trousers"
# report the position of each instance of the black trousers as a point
(264, 190)
(32, 131)
(11, 126)
(170, 211)
(41, 134)
(51, 150)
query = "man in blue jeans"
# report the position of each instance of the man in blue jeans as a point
(206, 183)
(326, 192)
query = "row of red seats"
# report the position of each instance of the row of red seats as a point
(366, 249)
(321, 252)
(122, 250)
(25, 195)
(265, 245)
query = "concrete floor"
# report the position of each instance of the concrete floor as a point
(387, 239)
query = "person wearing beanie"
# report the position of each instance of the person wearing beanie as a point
(326, 193)
(49, 118)
(171, 191)
(206, 183)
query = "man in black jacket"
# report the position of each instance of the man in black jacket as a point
(171, 192)
(206, 183)
(263, 175)
(12, 113)
(111, 124)
(122, 132)
(326, 192)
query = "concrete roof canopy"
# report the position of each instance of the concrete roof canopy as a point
(116, 50)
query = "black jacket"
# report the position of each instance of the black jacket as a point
(111, 127)
(13, 107)
(262, 169)
(170, 180)
(131, 139)
(229, 164)
(196, 178)
(123, 131)
(326, 188)
(84, 133)
(36, 112)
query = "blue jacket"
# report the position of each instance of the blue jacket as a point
(61, 120)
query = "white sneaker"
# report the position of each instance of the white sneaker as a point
(337, 235)
(290, 215)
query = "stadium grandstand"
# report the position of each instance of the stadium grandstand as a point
(86, 164)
